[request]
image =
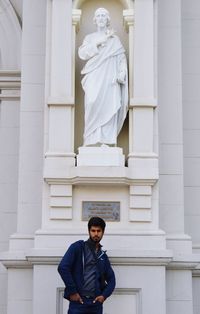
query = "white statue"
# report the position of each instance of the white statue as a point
(105, 83)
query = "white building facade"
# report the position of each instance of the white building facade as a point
(154, 247)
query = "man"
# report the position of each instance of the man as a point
(105, 83)
(86, 271)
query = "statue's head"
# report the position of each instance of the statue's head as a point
(100, 14)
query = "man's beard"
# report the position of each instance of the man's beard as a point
(95, 239)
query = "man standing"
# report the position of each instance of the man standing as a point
(86, 271)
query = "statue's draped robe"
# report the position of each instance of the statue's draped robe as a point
(106, 100)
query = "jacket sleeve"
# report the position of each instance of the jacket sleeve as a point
(110, 279)
(65, 270)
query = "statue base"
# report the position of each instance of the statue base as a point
(100, 156)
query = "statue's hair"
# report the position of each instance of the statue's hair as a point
(107, 15)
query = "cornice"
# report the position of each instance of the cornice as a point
(10, 85)
(18, 259)
(119, 181)
(102, 175)
(184, 261)
(10, 79)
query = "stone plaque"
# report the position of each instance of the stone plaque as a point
(109, 211)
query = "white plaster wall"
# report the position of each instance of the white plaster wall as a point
(170, 116)
(10, 35)
(31, 116)
(178, 282)
(191, 127)
(9, 136)
(20, 291)
(10, 45)
(146, 300)
(9, 139)
(191, 115)
(178, 292)
(196, 299)
(171, 170)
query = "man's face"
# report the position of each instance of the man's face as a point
(96, 233)
(101, 18)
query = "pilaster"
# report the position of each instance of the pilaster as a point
(31, 119)
(142, 158)
(59, 86)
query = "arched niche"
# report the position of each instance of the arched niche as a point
(127, 4)
(87, 8)
(10, 34)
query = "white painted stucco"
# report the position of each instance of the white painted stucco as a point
(155, 246)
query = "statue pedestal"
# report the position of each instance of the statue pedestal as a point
(100, 156)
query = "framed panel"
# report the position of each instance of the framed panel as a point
(128, 299)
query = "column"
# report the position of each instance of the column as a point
(179, 274)
(142, 158)
(142, 93)
(59, 144)
(62, 24)
(170, 118)
(31, 119)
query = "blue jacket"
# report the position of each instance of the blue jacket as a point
(71, 269)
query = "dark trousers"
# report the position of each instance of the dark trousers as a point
(86, 308)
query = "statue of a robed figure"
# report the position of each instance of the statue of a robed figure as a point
(105, 83)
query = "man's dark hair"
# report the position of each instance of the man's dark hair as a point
(96, 222)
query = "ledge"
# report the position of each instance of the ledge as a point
(67, 101)
(10, 84)
(97, 175)
(117, 258)
(100, 181)
(19, 259)
(14, 259)
(143, 103)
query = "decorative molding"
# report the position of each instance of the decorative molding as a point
(182, 265)
(8, 96)
(128, 4)
(10, 34)
(10, 79)
(10, 73)
(196, 272)
(115, 261)
(169, 262)
(97, 174)
(128, 16)
(10, 85)
(184, 261)
(143, 155)
(76, 18)
(83, 232)
(61, 101)
(27, 258)
(178, 237)
(140, 261)
(117, 258)
(15, 259)
(142, 103)
(60, 202)
(60, 154)
(140, 203)
(86, 180)
(20, 264)
(62, 304)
